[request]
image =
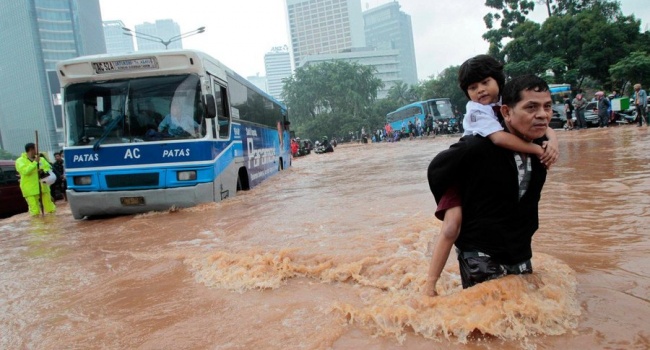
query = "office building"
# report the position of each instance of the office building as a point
(324, 27)
(386, 62)
(35, 35)
(388, 28)
(116, 41)
(277, 63)
(164, 29)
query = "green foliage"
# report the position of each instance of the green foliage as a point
(331, 97)
(6, 155)
(445, 85)
(634, 68)
(582, 39)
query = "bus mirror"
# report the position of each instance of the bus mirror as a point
(210, 107)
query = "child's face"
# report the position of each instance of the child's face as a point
(484, 92)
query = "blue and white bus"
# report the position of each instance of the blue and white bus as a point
(439, 108)
(129, 150)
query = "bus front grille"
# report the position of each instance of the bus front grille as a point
(132, 180)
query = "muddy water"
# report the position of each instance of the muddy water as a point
(332, 253)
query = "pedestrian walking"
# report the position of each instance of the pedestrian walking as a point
(34, 170)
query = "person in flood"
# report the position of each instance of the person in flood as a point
(33, 169)
(499, 188)
(177, 123)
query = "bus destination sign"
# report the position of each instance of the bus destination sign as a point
(125, 65)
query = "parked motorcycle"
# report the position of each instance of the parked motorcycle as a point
(625, 117)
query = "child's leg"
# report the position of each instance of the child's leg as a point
(448, 234)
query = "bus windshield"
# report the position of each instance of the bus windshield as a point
(134, 110)
(440, 109)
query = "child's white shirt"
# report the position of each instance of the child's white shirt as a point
(480, 119)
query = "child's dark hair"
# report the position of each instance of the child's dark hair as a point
(511, 93)
(478, 68)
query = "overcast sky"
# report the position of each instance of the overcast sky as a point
(240, 32)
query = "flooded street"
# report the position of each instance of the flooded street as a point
(332, 254)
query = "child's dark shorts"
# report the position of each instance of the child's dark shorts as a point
(450, 199)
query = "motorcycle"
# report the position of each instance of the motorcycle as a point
(452, 126)
(625, 117)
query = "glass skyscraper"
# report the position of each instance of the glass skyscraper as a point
(388, 28)
(35, 35)
(116, 41)
(277, 64)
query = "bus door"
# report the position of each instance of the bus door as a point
(226, 171)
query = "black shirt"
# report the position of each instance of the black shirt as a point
(495, 220)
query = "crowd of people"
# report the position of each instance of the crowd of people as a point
(575, 108)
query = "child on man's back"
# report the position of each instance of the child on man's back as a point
(482, 79)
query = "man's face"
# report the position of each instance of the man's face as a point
(529, 118)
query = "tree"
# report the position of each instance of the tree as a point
(634, 68)
(331, 98)
(510, 13)
(573, 46)
(402, 94)
(445, 85)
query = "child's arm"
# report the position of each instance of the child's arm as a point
(514, 143)
(448, 234)
(551, 149)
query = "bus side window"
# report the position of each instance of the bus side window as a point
(223, 115)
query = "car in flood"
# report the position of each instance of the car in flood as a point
(11, 198)
(591, 114)
(558, 119)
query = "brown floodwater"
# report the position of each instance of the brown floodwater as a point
(332, 254)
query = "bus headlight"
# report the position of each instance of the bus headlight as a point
(82, 180)
(188, 175)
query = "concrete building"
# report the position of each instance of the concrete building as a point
(388, 28)
(116, 41)
(164, 29)
(35, 35)
(277, 63)
(385, 61)
(324, 27)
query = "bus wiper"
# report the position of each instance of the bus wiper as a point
(108, 130)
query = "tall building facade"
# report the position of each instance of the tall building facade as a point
(164, 29)
(277, 63)
(324, 27)
(116, 41)
(388, 28)
(35, 35)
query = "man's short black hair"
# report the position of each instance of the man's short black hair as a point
(511, 94)
(29, 146)
(478, 68)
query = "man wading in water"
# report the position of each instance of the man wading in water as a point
(499, 188)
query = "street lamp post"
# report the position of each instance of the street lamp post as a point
(144, 36)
